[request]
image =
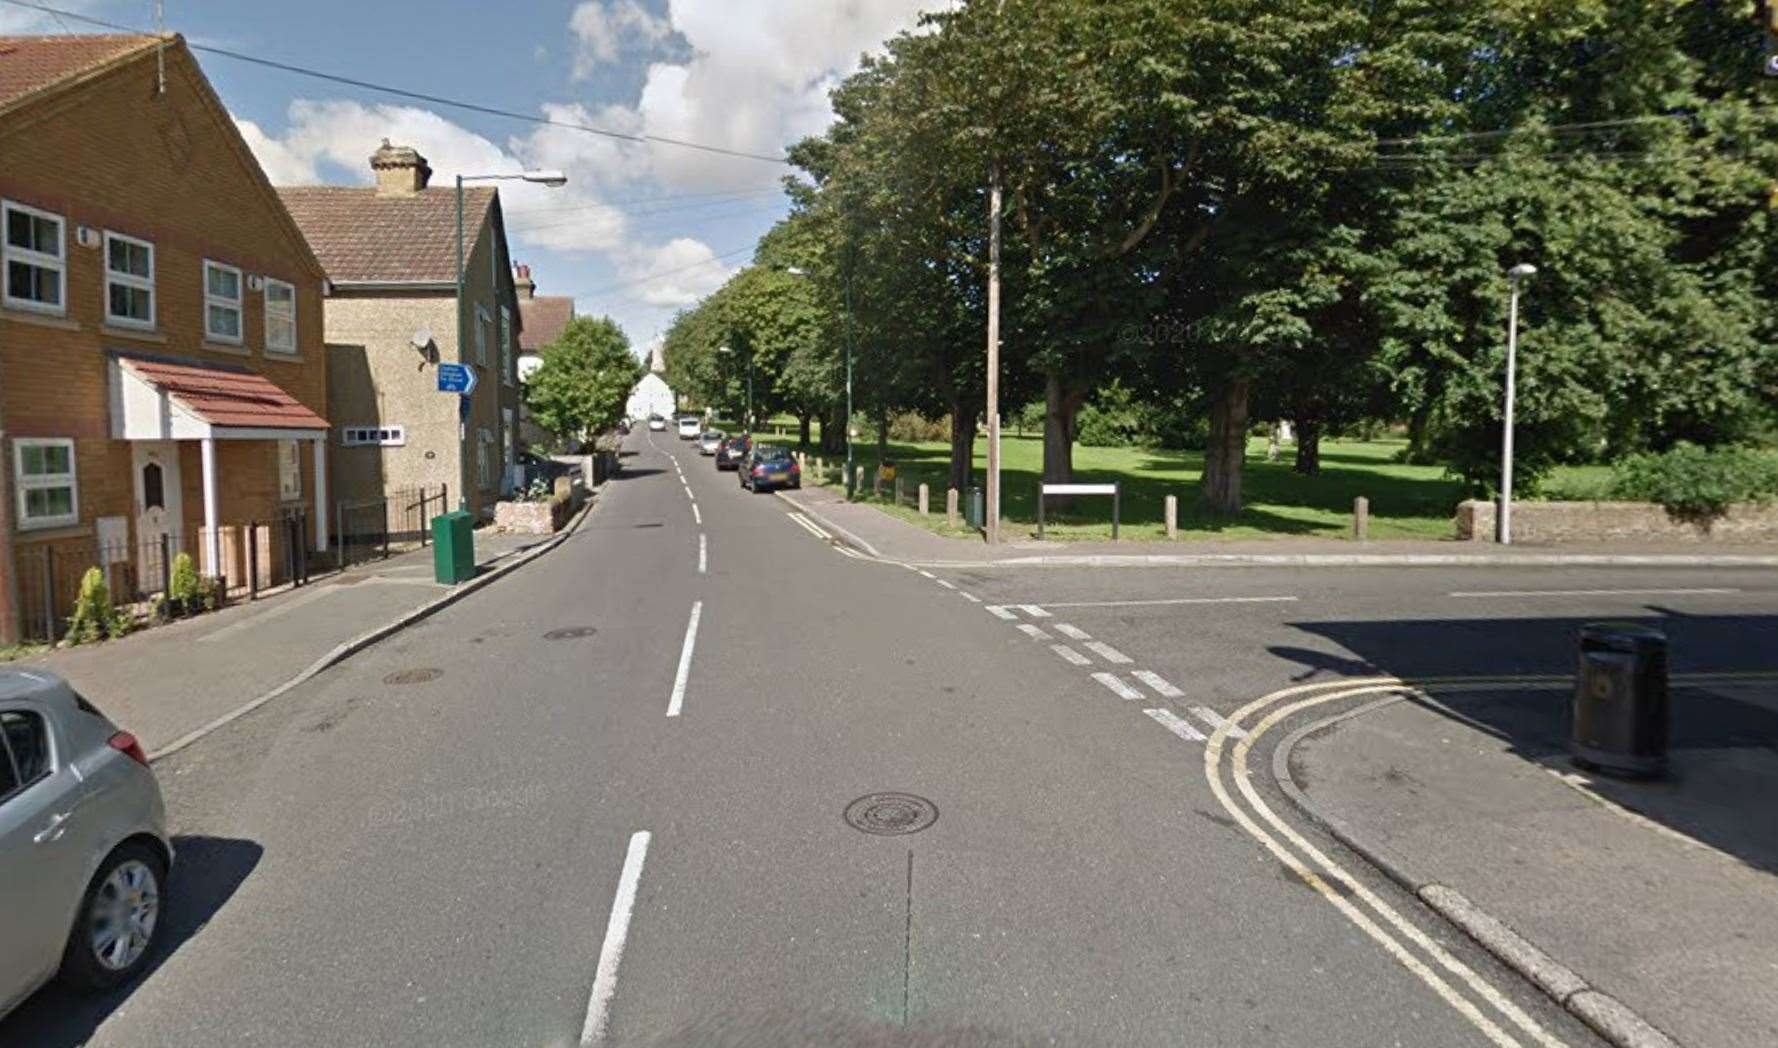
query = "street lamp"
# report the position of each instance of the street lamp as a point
(552, 179)
(747, 422)
(1504, 522)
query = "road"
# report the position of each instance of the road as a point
(602, 801)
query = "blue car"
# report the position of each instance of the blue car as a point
(769, 466)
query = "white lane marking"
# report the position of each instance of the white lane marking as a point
(1000, 613)
(810, 526)
(1075, 632)
(970, 597)
(1034, 611)
(1160, 684)
(946, 584)
(1702, 590)
(1071, 655)
(1034, 632)
(1117, 685)
(1172, 722)
(617, 930)
(679, 679)
(695, 515)
(1149, 603)
(1215, 720)
(926, 574)
(1107, 652)
(703, 554)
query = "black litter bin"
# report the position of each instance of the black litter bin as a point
(1621, 715)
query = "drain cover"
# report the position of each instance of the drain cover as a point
(414, 676)
(570, 633)
(890, 814)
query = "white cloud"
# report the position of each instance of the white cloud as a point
(603, 27)
(677, 273)
(283, 165)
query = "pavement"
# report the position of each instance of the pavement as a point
(881, 535)
(603, 800)
(166, 682)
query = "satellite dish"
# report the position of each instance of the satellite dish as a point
(421, 339)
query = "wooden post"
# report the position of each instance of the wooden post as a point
(950, 507)
(925, 505)
(1361, 518)
(858, 479)
(898, 489)
(1172, 517)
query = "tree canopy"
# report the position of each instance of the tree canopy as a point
(584, 380)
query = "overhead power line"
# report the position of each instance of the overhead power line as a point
(1436, 138)
(418, 96)
(712, 260)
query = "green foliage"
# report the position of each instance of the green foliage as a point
(94, 617)
(584, 382)
(184, 588)
(912, 426)
(1698, 483)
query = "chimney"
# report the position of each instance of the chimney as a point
(401, 170)
(522, 282)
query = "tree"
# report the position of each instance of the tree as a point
(585, 379)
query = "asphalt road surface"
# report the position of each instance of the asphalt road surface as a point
(603, 800)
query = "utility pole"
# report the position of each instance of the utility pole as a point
(993, 508)
(1503, 523)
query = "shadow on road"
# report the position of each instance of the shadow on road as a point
(1724, 732)
(208, 872)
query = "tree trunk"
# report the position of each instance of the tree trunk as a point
(882, 436)
(962, 444)
(1308, 446)
(1219, 491)
(833, 430)
(802, 425)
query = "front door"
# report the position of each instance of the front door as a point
(158, 509)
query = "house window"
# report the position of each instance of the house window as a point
(35, 261)
(43, 472)
(506, 345)
(129, 281)
(290, 470)
(222, 302)
(484, 466)
(481, 335)
(280, 316)
(361, 436)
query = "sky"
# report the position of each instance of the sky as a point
(640, 230)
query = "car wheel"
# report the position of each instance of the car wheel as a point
(114, 931)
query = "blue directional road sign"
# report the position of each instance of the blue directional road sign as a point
(456, 378)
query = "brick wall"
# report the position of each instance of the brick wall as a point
(1556, 522)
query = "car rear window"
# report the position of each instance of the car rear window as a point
(773, 454)
(27, 744)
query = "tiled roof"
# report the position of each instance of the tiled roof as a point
(360, 236)
(225, 396)
(542, 319)
(31, 63)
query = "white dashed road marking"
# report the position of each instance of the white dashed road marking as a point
(1159, 683)
(691, 639)
(1071, 655)
(1074, 632)
(1001, 613)
(703, 553)
(1033, 610)
(1172, 722)
(695, 515)
(970, 597)
(1034, 632)
(1117, 685)
(617, 930)
(1215, 720)
(1107, 652)
(946, 584)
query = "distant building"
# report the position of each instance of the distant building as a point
(545, 316)
(652, 396)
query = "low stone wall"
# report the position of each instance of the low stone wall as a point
(533, 518)
(1614, 522)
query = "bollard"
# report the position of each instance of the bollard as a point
(1172, 517)
(858, 479)
(820, 470)
(1361, 518)
(898, 489)
(950, 507)
(925, 507)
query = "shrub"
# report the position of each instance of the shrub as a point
(912, 426)
(188, 593)
(94, 617)
(1698, 483)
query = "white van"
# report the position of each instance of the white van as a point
(689, 427)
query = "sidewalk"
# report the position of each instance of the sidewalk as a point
(1662, 896)
(165, 682)
(881, 535)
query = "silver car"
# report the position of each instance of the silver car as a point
(83, 841)
(710, 441)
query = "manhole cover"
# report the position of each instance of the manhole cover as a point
(890, 814)
(414, 676)
(570, 633)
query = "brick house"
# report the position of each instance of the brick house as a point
(162, 366)
(392, 316)
(544, 318)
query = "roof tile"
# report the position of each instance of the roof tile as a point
(29, 64)
(360, 236)
(542, 319)
(229, 397)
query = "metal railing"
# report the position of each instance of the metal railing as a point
(369, 529)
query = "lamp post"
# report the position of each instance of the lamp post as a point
(552, 179)
(747, 421)
(1504, 521)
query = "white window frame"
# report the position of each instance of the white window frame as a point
(57, 263)
(238, 303)
(24, 484)
(271, 315)
(290, 484)
(130, 280)
(506, 372)
(373, 436)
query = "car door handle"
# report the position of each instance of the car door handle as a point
(52, 830)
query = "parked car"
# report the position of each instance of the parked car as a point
(690, 426)
(769, 466)
(534, 467)
(710, 441)
(657, 423)
(732, 451)
(84, 852)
